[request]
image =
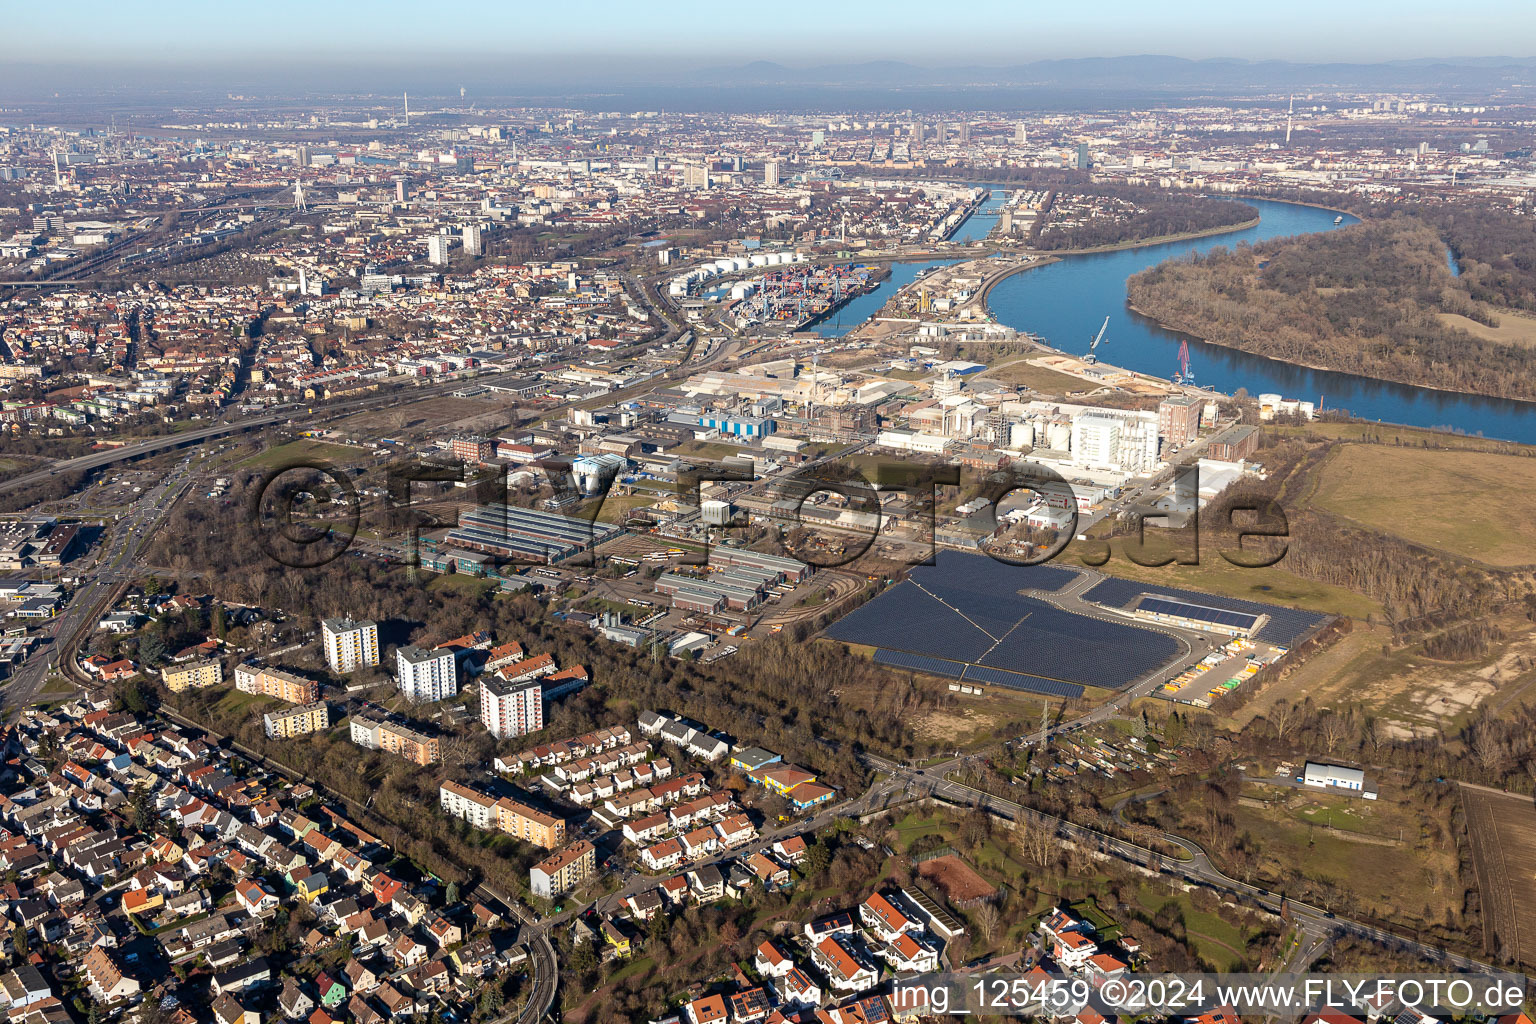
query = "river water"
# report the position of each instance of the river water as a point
(1066, 302)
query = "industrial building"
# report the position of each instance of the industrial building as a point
(1178, 419)
(1236, 443)
(524, 535)
(1186, 615)
(1332, 776)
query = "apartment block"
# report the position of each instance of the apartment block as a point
(274, 682)
(509, 708)
(350, 645)
(462, 802)
(564, 871)
(297, 721)
(529, 823)
(192, 675)
(394, 738)
(425, 676)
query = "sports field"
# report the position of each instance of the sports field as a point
(1478, 505)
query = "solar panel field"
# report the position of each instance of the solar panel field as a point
(965, 617)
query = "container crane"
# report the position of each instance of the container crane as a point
(1090, 357)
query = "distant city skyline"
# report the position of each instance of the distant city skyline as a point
(716, 33)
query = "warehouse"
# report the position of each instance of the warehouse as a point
(1187, 615)
(789, 568)
(1332, 776)
(709, 595)
(524, 534)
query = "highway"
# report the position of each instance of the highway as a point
(221, 428)
(99, 583)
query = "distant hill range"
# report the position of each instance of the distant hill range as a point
(1460, 75)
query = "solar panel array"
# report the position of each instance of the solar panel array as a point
(1197, 612)
(1284, 628)
(968, 609)
(1023, 681)
(978, 673)
(990, 575)
(905, 618)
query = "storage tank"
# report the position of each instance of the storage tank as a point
(1059, 435)
(1021, 435)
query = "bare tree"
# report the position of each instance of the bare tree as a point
(1283, 717)
(986, 917)
(1034, 839)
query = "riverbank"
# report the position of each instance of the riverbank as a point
(994, 281)
(1142, 243)
(1194, 336)
(1306, 206)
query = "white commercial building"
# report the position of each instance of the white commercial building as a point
(350, 645)
(424, 675)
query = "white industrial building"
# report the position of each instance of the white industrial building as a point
(1332, 776)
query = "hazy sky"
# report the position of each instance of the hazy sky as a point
(985, 31)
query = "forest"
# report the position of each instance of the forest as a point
(1496, 251)
(1367, 299)
(1158, 213)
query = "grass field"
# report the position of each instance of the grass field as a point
(303, 451)
(1409, 695)
(1474, 504)
(709, 449)
(1023, 373)
(455, 583)
(1392, 434)
(1216, 941)
(236, 704)
(1392, 882)
(1512, 329)
(615, 506)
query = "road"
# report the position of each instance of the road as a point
(1316, 924)
(99, 582)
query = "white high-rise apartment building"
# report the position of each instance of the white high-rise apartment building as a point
(425, 676)
(437, 249)
(511, 709)
(473, 239)
(350, 645)
(771, 172)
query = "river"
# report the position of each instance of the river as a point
(1065, 302)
